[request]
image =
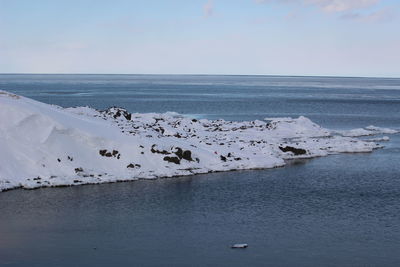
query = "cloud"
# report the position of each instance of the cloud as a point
(293, 15)
(208, 8)
(330, 6)
(341, 5)
(381, 15)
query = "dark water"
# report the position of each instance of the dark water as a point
(342, 210)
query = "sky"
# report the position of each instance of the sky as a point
(262, 37)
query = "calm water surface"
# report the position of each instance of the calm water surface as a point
(342, 210)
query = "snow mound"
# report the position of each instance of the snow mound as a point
(369, 130)
(379, 139)
(45, 145)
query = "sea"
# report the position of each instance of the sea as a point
(340, 210)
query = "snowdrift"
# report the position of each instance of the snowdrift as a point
(45, 145)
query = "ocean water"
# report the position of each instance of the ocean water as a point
(341, 210)
(336, 102)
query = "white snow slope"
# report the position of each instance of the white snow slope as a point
(45, 145)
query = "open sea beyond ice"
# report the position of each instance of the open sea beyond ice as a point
(340, 210)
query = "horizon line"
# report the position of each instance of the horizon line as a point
(200, 74)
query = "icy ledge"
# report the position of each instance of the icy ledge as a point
(45, 145)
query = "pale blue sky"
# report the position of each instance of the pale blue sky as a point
(286, 37)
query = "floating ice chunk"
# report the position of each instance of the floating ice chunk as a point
(239, 246)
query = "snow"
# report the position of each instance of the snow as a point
(45, 145)
(378, 139)
(369, 130)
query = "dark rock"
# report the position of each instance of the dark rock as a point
(132, 166)
(187, 154)
(128, 116)
(296, 151)
(78, 170)
(179, 152)
(114, 153)
(223, 158)
(175, 160)
(153, 150)
(116, 112)
(59, 160)
(161, 130)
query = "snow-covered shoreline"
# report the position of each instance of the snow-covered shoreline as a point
(44, 145)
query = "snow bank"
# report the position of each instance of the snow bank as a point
(45, 145)
(369, 130)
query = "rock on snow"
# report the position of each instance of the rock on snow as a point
(45, 145)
